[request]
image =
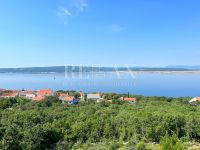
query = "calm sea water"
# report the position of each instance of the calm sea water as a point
(144, 84)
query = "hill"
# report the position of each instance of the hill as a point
(62, 69)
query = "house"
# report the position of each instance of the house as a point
(96, 97)
(129, 99)
(11, 94)
(196, 99)
(27, 94)
(45, 93)
(82, 96)
(39, 95)
(67, 99)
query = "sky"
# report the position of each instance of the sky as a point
(99, 32)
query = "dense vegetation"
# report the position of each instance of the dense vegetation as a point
(49, 124)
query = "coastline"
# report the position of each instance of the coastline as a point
(161, 72)
(134, 72)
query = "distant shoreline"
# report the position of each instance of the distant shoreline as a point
(115, 72)
(85, 69)
(161, 72)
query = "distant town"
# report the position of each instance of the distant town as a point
(72, 97)
(66, 97)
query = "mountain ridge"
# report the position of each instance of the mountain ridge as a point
(62, 69)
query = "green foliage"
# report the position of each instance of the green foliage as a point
(21, 100)
(9, 102)
(114, 145)
(172, 143)
(6, 103)
(11, 138)
(52, 125)
(72, 93)
(110, 96)
(49, 101)
(141, 146)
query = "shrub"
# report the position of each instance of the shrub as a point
(141, 146)
(114, 145)
(172, 143)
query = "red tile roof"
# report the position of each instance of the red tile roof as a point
(198, 98)
(45, 92)
(129, 99)
(67, 98)
(62, 94)
(10, 94)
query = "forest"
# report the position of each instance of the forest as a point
(149, 123)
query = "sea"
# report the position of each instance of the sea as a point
(147, 84)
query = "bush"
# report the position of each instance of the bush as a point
(141, 146)
(49, 101)
(172, 143)
(7, 102)
(114, 145)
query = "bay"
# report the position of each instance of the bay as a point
(148, 84)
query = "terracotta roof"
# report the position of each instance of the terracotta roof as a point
(129, 99)
(45, 92)
(62, 94)
(10, 94)
(67, 98)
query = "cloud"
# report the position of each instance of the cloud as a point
(117, 28)
(63, 12)
(71, 8)
(81, 5)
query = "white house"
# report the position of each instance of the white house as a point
(27, 94)
(195, 99)
(96, 97)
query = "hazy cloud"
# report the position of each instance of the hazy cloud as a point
(81, 5)
(71, 8)
(63, 12)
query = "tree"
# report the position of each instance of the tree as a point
(11, 139)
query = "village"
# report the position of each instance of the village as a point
(66, 97)
(70, 97)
